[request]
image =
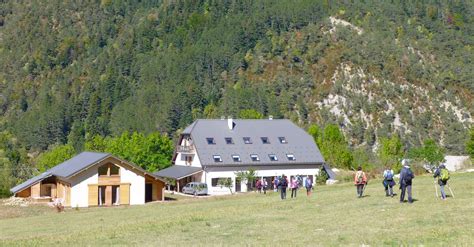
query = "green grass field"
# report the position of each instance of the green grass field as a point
(332, 216)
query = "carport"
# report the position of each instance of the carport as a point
(181, 174)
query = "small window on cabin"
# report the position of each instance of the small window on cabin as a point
(236, 158)
(247, 140)
(273, 157)
(254, 157)
(291, 157)
(228, 140)
(210, 141)
(217, 158)
(282, 140)
(265, 140)
(103, 170)
(114, 170)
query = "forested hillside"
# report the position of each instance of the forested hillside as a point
(74, 70)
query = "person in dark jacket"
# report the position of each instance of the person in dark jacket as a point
(406, 177)
(283, 184)
(441, 182)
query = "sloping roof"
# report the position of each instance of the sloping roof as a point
(77, 163)
(30, 182)
(71, 167)
(178, 172)
(299, 143)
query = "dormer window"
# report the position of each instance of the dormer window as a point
(210, 141)
(273, 157)
(265, 140)
(291, 157)
(228, 140)
(282, 140)
(247, 140)
(254, 157)
(236, 158)
(217, 158)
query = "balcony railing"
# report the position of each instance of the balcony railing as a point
(185, 149)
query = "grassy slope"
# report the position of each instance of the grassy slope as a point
(332, 216)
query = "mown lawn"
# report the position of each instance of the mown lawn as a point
(332, 216)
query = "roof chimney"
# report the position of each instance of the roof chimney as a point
(270, 117)
(230, 123)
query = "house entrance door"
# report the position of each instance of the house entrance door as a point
(148, 192)
(237, 185)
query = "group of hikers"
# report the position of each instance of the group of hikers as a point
(406, 177)
(281, 183)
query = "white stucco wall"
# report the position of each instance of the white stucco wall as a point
(196, 162)
(207, 178)
(137, 185)
(80, 188)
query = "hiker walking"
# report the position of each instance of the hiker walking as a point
(388, 181)
(406, 177)
(443, 176)
(283, 184)
(309, 186)
(360, 180)
(294, 186)
(264, 186)
(259, 186)
(275, 184)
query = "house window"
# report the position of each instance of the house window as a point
(228, 140)
(254, 157)
(273, 157)
(103, 170)
(217, 158)
(114, 170)
(282, 140)
(215, 181)
(247, 140)
(236, 158)
(210, 141)
(265, 140)
(109, 170)
(291, 157)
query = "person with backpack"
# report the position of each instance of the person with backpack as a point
(283, 184)
(360, 180)
(443, 176)
(406, 177)
(388, 181)
(294, 186)
(308, 185)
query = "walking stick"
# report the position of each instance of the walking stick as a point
(449, 187)
(436, 189)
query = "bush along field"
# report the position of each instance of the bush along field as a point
(333, 215)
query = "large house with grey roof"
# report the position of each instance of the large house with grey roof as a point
(209, 150)
(93, 179)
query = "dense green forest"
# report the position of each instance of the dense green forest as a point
(75, 71)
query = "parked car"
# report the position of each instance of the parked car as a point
(195, 188)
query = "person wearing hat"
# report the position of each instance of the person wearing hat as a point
(406, 177)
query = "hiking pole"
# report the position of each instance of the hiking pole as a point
(363, 188)
(449, 187)
(436, 188)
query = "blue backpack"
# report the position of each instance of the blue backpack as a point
(389, 176)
